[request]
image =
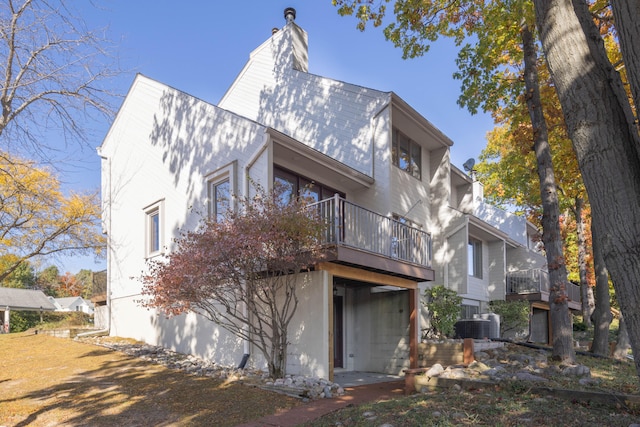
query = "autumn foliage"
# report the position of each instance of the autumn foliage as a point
(243, 272)
(37, 219)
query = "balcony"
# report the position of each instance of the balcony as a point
(533, 285)
(360, 237)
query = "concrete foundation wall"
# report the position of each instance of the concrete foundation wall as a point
(377, 331)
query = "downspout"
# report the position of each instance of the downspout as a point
(246, 343)
(107, 330)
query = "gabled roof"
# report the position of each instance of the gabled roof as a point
(69, 301)
(24, 300)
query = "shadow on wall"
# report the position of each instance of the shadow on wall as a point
(193, 334)
(197, 138)
(317, 111)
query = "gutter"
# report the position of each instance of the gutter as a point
(246, 344)
(107, 331)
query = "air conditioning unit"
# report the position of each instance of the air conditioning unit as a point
(472, 328)
(494, 328)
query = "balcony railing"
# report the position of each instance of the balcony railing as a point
(535, 281)
(354, 226)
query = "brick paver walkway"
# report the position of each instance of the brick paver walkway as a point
(307, 412)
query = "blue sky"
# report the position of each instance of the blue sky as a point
(200, 46)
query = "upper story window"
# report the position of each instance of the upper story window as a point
(220, 196)
(474, 258)
(406, 154)
(221, 188)
(153, 228)
(297, 185)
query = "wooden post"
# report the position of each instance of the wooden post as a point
(468, 351)
(413, 328)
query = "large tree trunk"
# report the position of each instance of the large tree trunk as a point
(602, 314)
(558, 299)
(626, 14)
(586, 293)
(600, 124)
(623, 344)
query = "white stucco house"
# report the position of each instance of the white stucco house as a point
(406, 218)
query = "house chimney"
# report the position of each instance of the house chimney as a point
(289, 14)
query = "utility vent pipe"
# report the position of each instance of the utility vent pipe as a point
(290, 14)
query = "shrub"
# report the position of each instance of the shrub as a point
(24, 320)
(514, 315)
(444, 307)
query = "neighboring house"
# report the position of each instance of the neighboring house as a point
(405, 217)
(72, 304)
(21, 300)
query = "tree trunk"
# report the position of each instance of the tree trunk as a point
(602, 314)
(558, 299)
(586, 293)
(626, 15)
(623, 345)
(600, 124)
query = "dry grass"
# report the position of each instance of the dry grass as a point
(507, 404)
(46, 381)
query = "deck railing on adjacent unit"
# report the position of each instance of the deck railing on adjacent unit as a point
(351, 225)
(533, 281)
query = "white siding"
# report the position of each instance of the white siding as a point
(523, 259)
(497, 271)
(330, 116)
(456, 267)
(160, 148)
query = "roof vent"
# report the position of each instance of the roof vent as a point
(274, 30)
(289, 14)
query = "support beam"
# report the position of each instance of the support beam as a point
(413, 327)
(7, 323)
(361, 275)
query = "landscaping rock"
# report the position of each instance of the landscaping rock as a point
(435, 370)
(304, 387)
(526, 376)
(577, 371)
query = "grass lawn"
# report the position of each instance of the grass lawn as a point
(47, 381)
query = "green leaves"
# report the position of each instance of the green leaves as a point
(444, 308)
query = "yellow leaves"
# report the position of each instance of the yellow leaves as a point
(36, 218)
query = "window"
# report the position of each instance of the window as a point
(221, 188)
(153, 232)
(474, 258)
(295, 185)
(406, 154)
(467, 311)
(220, 196)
